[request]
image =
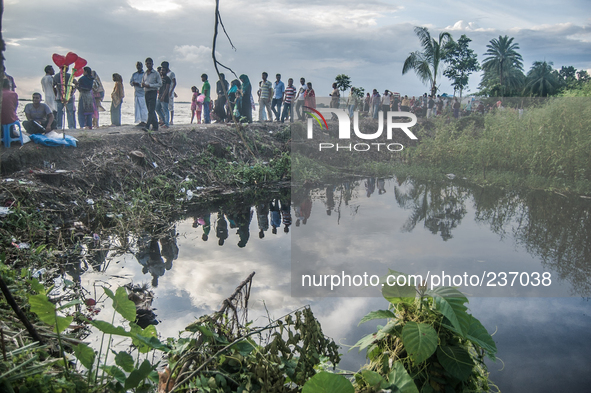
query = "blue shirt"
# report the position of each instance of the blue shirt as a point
(279, 88)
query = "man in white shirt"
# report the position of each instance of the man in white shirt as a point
(141, 110)
(47, 85)
(300, 99)
(172, 77)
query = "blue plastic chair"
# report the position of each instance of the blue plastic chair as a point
(7, 138)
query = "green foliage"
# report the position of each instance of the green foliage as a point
(462, 61)
(429, 344)
(324, 382)
(426, 63)
(550, 141)
(343, 82)
(542, 80)
(503, 64)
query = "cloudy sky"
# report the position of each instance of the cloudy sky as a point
(365, 39)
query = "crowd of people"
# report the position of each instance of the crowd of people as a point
(154, 95)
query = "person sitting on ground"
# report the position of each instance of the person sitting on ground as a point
(40, 118)
(9, 104)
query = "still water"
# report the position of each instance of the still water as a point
(543, 333)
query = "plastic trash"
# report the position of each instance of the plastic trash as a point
(90, 201)
(4, 211)
(39, 273)
(450, 176)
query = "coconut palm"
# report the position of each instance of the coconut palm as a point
(503, 60)
(541, 79)
(426, 63)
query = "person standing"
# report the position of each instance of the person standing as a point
(300, 99)
(86, 100)
(116, 100)
(289, 95)
(60, 86)
(151, 82)
(456, 107)
(166, 66)
(47, 85)
(351, 102)
(265, 98)
(278, 89)
(335, 96)
(164, 98)
(98, 93)
(375, 103)
(206, 91)
(310, 97)
(141, 111)
(386, 103)
(246, 107)
(221, 88)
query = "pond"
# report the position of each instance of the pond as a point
(368, 225)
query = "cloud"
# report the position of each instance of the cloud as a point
(194, 54)
(466, 26)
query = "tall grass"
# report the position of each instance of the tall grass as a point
(552, 140)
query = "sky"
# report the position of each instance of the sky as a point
(365, 39)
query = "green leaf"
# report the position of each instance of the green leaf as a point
(456, 361)
(365, 341)
(137, 376)
(372, 378)
(122, 304)
(70, 304)
(37, 286)
(196, 327)
(46, 312)
(380, 314)
(108, 328)
(478, 335)
(115, 372)
(450, 302)
(324, 382)
(243, 347)
(142, 338)
(399, 378)
(125, 361)
(85, 355)
(420, 340)
(396, 294)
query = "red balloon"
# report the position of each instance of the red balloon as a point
(70, 58)
(80, 63)
(79, 72)
(58, 60)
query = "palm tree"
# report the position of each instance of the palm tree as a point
(541, 79)
(502, 60)
(426, 63)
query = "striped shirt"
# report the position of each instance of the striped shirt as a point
(266, 88)
(290, 92)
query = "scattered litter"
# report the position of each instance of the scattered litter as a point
(155, 165)
(74, 203)
(90, 201)
(96, 237)
(4, 211)
(199, 188)
(450, 176)
(265, 162)
(110, 215)
(8, 180)
(61, 171)
(24, 245)
(189, 195)
(39, 273)
(270, 132)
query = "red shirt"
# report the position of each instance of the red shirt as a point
(9, 105)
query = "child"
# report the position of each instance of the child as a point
(195, 106)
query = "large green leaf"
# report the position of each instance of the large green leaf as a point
(373, 379)
(122, 304)
(395, 293)
(85, 355)
(456, 361)
(478, 335)
(46, 312)
(399, 377)
(115, 372)
(379, 314)
(108, 328)
(450, 302)
(365, 341)
(324, 382)
(420, 340)
(137, 376)
(146, 339)
(125, 361)
(243, 347)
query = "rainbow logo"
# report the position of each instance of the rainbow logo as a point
(313, 112)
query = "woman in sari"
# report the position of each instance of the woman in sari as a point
(310, 96)
(98, 92)
(246, 108)
(234, 87)
(116, 100)
(86, 100)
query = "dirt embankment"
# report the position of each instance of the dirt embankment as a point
(116, 158)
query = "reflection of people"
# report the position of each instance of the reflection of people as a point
(241, 220)
(206, 227)
(149, 257)
(381, 186)
(329, 199)
(262, 218)
(286, 214)
(221, 229)
(170, 250)
(370, 186)
(275, 215)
